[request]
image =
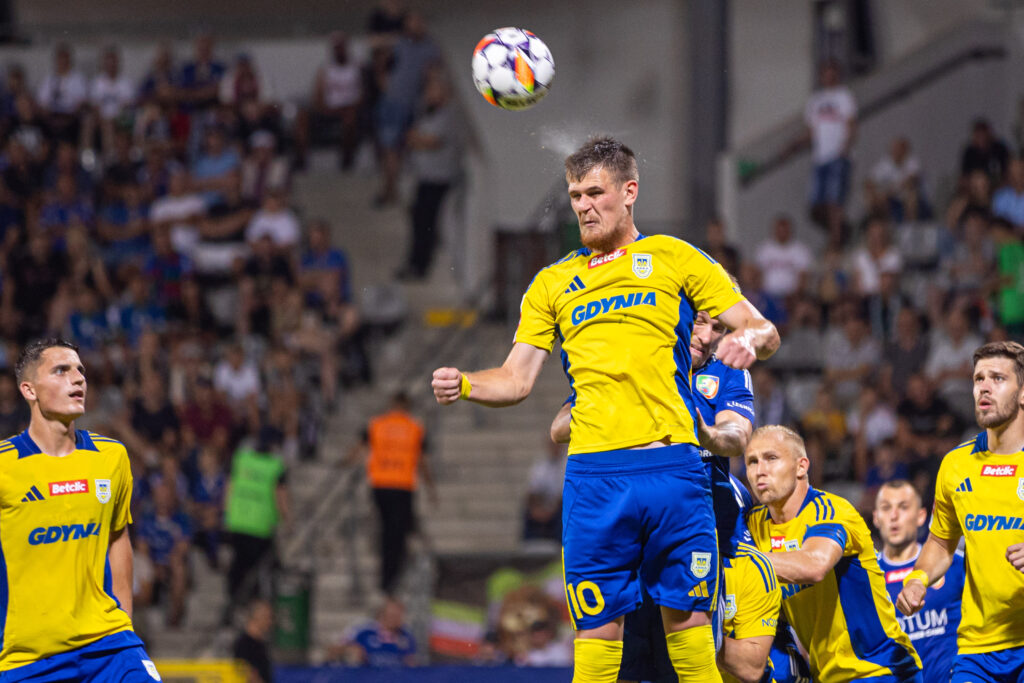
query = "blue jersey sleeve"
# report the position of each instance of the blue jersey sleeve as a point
(736, 394)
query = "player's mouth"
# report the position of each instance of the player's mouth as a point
(77, 394)
(984, 403)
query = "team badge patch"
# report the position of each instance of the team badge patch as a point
(643, 265)
(730, 607)
(103, 490)
(792, 545)
(1020, 488)
(707, 385)
(151, 669)
(700, 564)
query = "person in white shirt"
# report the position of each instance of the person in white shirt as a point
(875, 257)
(784, 261)
(179, 211)
(337, 97)
(62, 95)
(894, 187)
(110, 94)
(831, 118)
(275, 220)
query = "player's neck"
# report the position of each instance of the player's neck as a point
(628, 236)
(1007, 438)
(901, 555)
(784, 510)
(52, 436)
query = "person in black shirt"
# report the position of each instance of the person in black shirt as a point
(251, 646)
(984, 152)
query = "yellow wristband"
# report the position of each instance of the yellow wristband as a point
(465, 387)
(918, 574)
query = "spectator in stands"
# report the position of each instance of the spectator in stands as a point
(243, 84)
(950, 366)
(207, 417)
(886, 466)
(159, 84)
(62, 95)
(111, 95)
(883, 308)
(164, 534)
(751, 283)
(263, 170)
(770, 403)
(179, 213)
(975, 196)
(386, 20)
(435, 154)
(984, 152)
(851, 357)
(199, 82)
(831, 118)
(1008, 201)
(872, 419)
(263, 266)
(542, 511)
(206, 490)
(167, 267)
(252, 646)
(717, 245)
(337, 98)
(905, 355)
(64, 207)
(257, 500)
(385, 643)
(153, 420)
(217, 166)
(878, 255)
(275, 220)
(395, 449)
(14, 413)
(1010, 286)
(784, 261)
(894, 190)
(237, 379)
(922, 408)
(414, 54)
(123, 228)
(970, 263)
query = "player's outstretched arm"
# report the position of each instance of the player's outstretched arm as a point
(560, 426)
(935, 558)
(809, 564)
(119, 555)
(729, 435)
(741, 657)
(753, 336)
(503, 386)
(1015, 556)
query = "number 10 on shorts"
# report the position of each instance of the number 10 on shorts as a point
(585, 598)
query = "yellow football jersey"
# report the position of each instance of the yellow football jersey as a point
(847, 621)
(56, 515)
(980, 495)
(752, 598)
(624, 320)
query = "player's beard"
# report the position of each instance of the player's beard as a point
(1002, 414)
(604, 241)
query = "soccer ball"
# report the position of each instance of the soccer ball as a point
(512, 68)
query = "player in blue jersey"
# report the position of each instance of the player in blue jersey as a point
(898, 515)
(725, 404)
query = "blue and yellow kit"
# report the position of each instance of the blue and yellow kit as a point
(624, 320)
(752, 599)
(980, 495)
(56, 517)
(847, 621)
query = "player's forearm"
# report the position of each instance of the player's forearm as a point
(799, 566)
(763, 337)
(497, 387)
(562, 424)
(119, 555)
(935, 558)
(727, 438)
(744, 659)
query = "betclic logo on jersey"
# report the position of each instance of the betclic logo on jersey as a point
(605, 258)
(64, 488)
(778, 543)
(998, 470)
(897, 575)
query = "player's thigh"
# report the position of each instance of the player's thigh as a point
(131, 665)
(1002, 666)
(601, 548)
(680, 563)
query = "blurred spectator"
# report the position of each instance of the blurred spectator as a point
(337, 98)
(784, 261)
(877, 256)
(974, 196)
(770, 404)
(751, 280)
(164, 534)
(216, 167)
(717, 245)
(894, 190)
(263, 170)
(884, 308)
(256, 501)
(950, 362)
(199, 82)
(206, 491)
(985, 153)
(206, 416)
(14, 413)
(414, 54)
(255, 290)
(167, 267)
(386, 19)
(435, 158)
(276, 221)
(64, 207)
(1008, 201)
(1010, 287)
(244, 84)
(153, 419)
(236, 378)
(159, 85)
(252, 646)
(179, 212)
(62, 94)
(970, 263)
(111, 95)
(851, 357)
(872, 419)
(886, 466)
(922, 408)
(831, 118)
(123, 227)
(385, 643)
(395, 448)
(906, 354)
(543, 506)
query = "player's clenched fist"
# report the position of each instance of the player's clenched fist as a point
(1015, 554)
(447, 384)
(736, 351)
(911, 598)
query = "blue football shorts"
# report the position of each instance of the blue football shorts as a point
(1001, 666)
(633, 518)
(128, 665)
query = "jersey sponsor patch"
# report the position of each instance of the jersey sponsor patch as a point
(65, 532)
(778, 542)
(65, 488)
(974, 522)
(998, 470)
(643, 265)
(605, 258)
(897, 575)
(700, 564)
(608, 304)
(103, 490)
(707, 385)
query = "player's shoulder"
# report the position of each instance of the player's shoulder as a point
(757, 516)
(824, 506)
(97, 442)
(676, 245)
(565, 266)
(759, 562)
(9, 448)
(963, 451)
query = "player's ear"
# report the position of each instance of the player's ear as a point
(803, 464)
(631, 188)
(28, 391)
(922, 515)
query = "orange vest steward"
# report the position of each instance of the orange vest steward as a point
(396, 444)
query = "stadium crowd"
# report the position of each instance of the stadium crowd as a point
(152, 223)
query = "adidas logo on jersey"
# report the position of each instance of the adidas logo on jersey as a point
(965, 486)
(998, 470)
(576, 285)
(32, 495)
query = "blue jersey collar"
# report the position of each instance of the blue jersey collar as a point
(26, 446)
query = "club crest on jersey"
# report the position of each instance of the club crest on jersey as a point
(700, 564)
(730, 607)
(643, 265)
(103, 490)
(707, 385)
(1020, 488)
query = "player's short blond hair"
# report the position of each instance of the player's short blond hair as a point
(789, 436)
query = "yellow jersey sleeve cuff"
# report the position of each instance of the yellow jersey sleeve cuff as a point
(465, 387)
(918, 574)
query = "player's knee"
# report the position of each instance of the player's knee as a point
(679, 620)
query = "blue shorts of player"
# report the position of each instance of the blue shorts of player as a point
(1001, 666)
(913, 678)
(632, 518)
(100, 662)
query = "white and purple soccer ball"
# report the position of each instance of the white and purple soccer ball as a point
(512, 68)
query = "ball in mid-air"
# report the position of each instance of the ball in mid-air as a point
(512, 68)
